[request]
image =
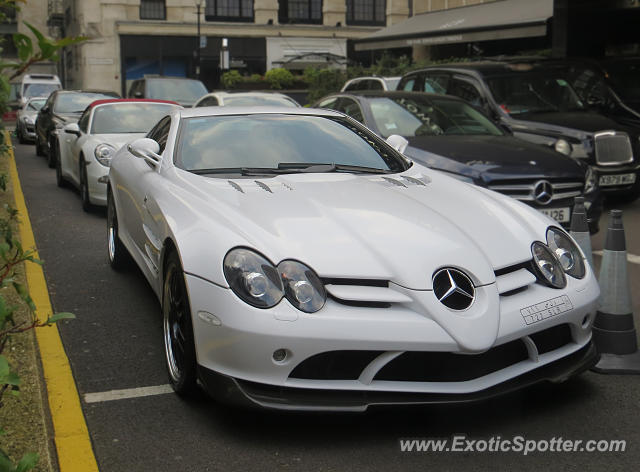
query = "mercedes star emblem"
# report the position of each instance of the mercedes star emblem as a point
(543, 192)
(453, 288)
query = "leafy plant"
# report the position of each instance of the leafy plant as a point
(279, 78)
(231, 78)
(12, 254)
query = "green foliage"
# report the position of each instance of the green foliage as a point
(323, 82)
(12, 254)
(231, 78)
(279, 78)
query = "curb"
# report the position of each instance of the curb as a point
(71, 435)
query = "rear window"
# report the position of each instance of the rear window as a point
(40, 90)
(252, 101)
(176, 90)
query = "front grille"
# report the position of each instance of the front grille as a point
(613, 148)
(450, 367)
(551, 339)
(334, 365)
(525, 190)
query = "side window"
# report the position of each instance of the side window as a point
(375, 85)
(50, 101)
(209, 102)
(351, 108)
(160, 132)
(83, 122)
(352, 86)
(408, 84)
(466, 91)
(436, 83)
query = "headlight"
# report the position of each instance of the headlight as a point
(548, 266)
(253, 278)
(104, 153)
(302, 286)
(567, 252)
(563, 146)
(590, 180)
(28, 120)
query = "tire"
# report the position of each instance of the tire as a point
(119, 257)
(84, 188)
(180, 352)
(60, 180)
(52, 156)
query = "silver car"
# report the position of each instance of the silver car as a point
(26, 119)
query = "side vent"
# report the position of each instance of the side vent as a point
(394, 182)
(415, 181)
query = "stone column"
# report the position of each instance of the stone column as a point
(334, 12)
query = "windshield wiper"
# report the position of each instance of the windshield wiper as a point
(307, 167)
(291, 168)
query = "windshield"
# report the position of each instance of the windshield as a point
(36, 104)
(625, 79)
(534, 93)
(40, 90)
(260, 101)
(127, 117)
(270, 141)
(75, 102)
(177, 90)
(419, 116)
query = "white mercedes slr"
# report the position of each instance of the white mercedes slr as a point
(86, 147)
(303, 263)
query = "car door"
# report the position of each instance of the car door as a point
(44, 118)
(77, 144)
(134, 201)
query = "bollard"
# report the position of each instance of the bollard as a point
(580, 229)
(614, 332)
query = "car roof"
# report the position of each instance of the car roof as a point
(391, 93)
(97, 92)
(130, 100)
(228, 111)
(497, 67)
(229, 93)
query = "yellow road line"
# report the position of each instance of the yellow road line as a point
(70, 430)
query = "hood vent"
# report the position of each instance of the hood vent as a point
(394, 182)
(415, 181)
(263, 186)
(235, 186)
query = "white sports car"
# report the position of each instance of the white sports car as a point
(303, 263)
(86, 147)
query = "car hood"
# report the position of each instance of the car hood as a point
(491, 157)
(399, 228)
(585, 121)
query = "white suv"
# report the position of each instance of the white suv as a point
(371, 83)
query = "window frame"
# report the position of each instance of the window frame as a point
(151, 5)
(350, 14)
(284, 18)
(212, 5)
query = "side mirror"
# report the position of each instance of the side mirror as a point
(44, 109)
(397, 142)
(147, 149)
(72, 128)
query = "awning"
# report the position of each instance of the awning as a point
(502, 19)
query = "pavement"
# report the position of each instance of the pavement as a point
(115, 344)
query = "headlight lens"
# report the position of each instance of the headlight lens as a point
(548, 266)
(253, 278)
(567, 252)
(28, 120)
(104, 153)
(302, 286)
(590, 180)
(563, 146)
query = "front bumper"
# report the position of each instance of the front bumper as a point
(97, 179)
(349, 351)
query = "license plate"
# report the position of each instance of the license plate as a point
(561, 215)
(619, 179)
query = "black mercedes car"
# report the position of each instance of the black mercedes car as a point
(62, 107)
(536, 102)
(449, 135)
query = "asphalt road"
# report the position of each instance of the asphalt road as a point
(116, 343)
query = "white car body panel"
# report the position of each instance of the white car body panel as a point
(399, 228)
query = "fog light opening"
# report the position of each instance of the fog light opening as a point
(280, 355)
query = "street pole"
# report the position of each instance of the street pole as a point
(198, 5)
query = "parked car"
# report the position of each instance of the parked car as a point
(370, 83)
(536, 102)
(301, 262)
(176, 89)
(86, 147)
(447, 134)
(26, 87)
(62, 107)
(26, 119)
(611, 86)
(246, 99)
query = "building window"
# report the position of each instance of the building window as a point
(152, 10)
(229, 10)
(300, 11)
(366, 12)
